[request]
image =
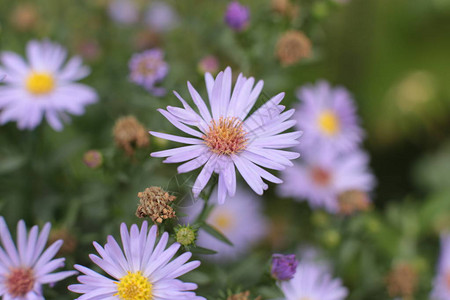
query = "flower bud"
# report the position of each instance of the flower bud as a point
(93, 159)
(237, 16)
(185, 235)
(283, 266)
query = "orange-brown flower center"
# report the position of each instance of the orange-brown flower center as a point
(20, 281)
(320, 176)
(226, 136)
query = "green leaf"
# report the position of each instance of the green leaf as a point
(215, 233)
(11, 163)
(201, 250)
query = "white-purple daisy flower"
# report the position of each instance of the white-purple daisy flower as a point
(143, 269)
(244, 211)
(161, 16)
(441, 283)
(313, 281)
(228, 137)
(43, 86)
(328, 118)
(323, 175)
(147, 69)
(124, 11)
(25, 269)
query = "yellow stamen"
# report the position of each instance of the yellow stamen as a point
(40, 83)
(226, 136)
(222, 220)
(134, 286)
(329, 122)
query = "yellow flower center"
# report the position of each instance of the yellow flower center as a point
(19, 282)
(226, 136)
(40, 83)
(223, 220)
(329, 122)
(134, 286)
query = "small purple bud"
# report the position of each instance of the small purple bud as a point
(283, 266)
(237, 16)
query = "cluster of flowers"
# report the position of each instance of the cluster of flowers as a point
(225, 137)
(142, 269)
(334, 173)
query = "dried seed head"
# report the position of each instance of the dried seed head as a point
(292, 47)
(70, 242)
(129, 134)
(24, 17)
(402, 281)
(352, 201)
(155, 203)
(285, 8)
(242, 296)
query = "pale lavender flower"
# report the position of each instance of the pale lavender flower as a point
(441, 283)
(237, 16)
(229, 138)
(324, 174)
(144, 269)
(328, 118)
(313, 281)
(42, 87)
(124, 11)
(161, 17)
(149, 68)
(25, 269)
(240, 220)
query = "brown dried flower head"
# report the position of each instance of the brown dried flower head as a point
(24, 16)
(402, 281)
(155, 203)
(352, 201)
(242, 296)
(129, 134)
(292, 47)
(70, 242)
(285, 8)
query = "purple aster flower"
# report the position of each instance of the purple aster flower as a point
(144, 269)
(124, 11)
(147, 69)
(328, 117)
(237, 16)
(323, 175)
(313, 281)
(25, 269)
(42, 87)
(441, 283)
(283, 266)
(228, 138)
(161, 17)
(240, 220)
